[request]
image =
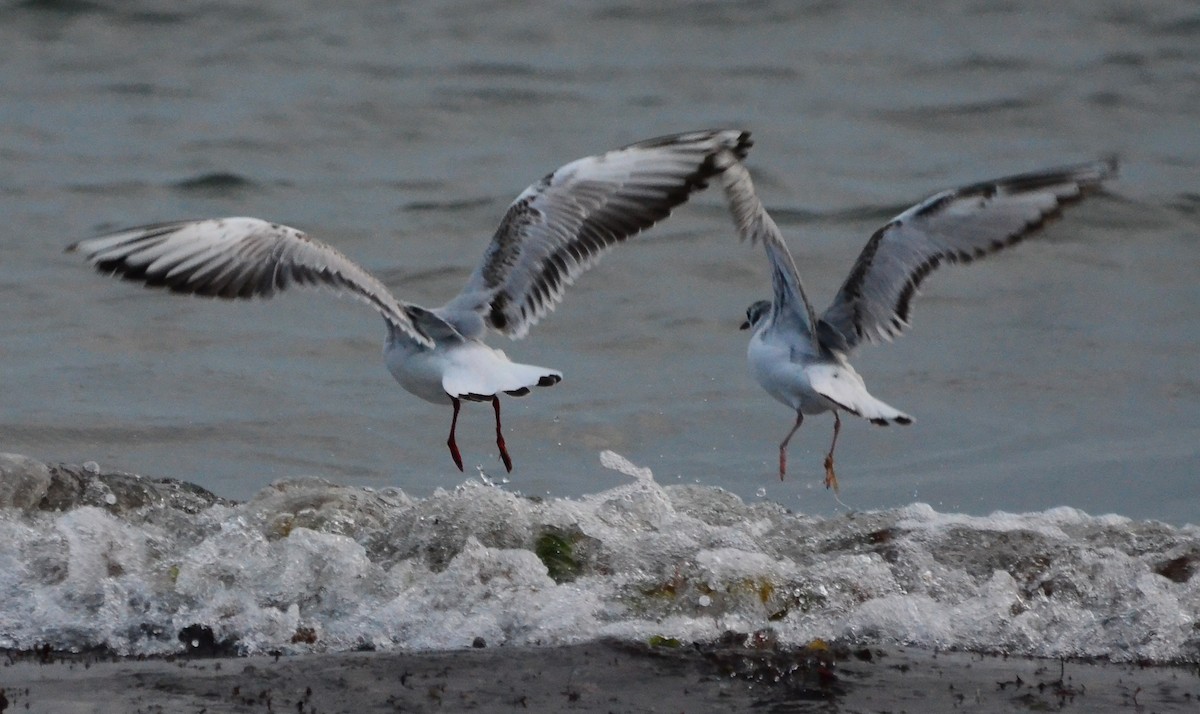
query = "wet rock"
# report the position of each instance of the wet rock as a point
(325, 507)
(1178, 570)
(200, 640)
(30, 485)
(568, 553)
(23, 481)
(73, 486)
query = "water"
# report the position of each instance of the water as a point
(309, 565)
(1060, 374)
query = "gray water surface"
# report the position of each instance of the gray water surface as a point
(1062, 372)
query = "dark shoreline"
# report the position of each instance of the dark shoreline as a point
(605, 676)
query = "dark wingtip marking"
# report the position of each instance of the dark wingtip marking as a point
(517, 392)
(854, 282)
(904, 304)
(879, 422)
(548, 380)
(904, 420)
(740, 147)
(496, 315)
(744, 143)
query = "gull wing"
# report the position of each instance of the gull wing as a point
(561, 226)
(239, 258)
(955, 226)
(790, 308)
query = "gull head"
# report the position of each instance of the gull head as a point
(756, 313)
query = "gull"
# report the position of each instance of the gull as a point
(555, 230)
(803, 360)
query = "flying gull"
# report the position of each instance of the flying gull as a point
(554, 231)
(803, 360)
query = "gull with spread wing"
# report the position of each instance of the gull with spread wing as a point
(803, 361)
(554, 231)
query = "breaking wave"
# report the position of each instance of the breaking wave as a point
(144, 566)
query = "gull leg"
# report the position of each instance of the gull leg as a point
(830, 476)
(451, 442)
(783, 445)
(500, 436)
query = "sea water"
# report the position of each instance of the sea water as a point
(1053, 380)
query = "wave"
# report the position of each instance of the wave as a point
(136, 565)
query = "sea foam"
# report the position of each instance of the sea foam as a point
(94, 559)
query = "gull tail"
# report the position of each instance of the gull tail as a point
(843, 386)
(481, 382)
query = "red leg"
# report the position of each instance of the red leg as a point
(783, 446)
(500, 436)
(451, 442)
(830, 476)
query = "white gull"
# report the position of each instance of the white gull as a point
(803, 361)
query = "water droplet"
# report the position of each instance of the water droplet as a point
(761, 492)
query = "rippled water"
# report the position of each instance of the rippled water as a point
(1059, 374)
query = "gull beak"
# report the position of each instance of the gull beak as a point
(745, 325)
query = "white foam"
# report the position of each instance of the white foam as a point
(310, 565)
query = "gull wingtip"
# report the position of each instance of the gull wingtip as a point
(740, 142)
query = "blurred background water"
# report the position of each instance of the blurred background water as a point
(1060, 373)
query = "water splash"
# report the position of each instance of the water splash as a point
(308, 565)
